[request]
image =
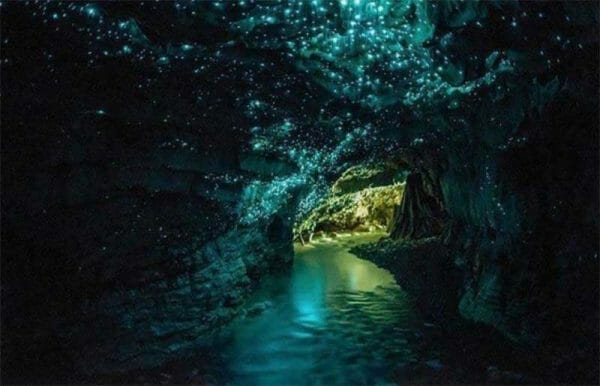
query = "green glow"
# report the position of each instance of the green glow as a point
(371, 51)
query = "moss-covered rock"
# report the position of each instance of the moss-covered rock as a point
(365, 176)
(364, 210)
(363, 198)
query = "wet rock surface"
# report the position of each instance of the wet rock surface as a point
(365, 210)
(468, 351)
(360, 177)
(424, 268)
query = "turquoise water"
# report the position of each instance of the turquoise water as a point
(333, 320)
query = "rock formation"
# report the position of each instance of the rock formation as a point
(418, 215)
(362, 199)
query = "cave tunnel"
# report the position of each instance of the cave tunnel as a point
(333, 192)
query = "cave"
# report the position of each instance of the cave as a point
(333, 192)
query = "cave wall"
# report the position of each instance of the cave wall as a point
(122, 252)
(528, 270)
(515, 170)
(518, 184)
(121, 240)
(517, 246)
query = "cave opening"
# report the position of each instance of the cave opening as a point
(363, 199)
(392, 198)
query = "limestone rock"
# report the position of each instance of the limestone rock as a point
(366, 176)
(364, 210)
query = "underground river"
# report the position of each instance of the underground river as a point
(334, 319)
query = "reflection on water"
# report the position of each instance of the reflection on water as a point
(335, 319)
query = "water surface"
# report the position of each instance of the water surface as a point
(334, 319)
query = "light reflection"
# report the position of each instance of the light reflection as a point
(335, 319)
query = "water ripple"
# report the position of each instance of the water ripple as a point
(337, 320)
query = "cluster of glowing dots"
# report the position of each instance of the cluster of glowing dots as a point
(368, 50)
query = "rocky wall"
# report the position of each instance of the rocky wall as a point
(122, 245)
